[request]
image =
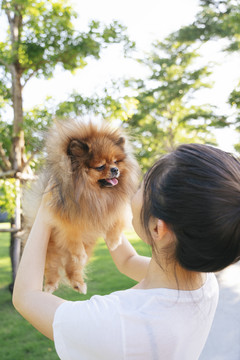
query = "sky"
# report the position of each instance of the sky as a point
(146, 22)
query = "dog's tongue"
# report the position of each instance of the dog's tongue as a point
(113, 181)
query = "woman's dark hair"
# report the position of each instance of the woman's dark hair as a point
(195, 190)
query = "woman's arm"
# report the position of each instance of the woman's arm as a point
(129, 262)
(30, 301)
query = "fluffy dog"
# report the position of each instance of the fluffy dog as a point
(90, 175)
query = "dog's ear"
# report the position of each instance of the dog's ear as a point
(77, 148)
(120, 142)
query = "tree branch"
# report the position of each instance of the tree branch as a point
(4, 64)
(9, 17)
(13, 174)
(26, 163)
(11, 230)
(28, 78)
(8, 174)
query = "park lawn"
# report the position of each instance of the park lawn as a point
(18, 339)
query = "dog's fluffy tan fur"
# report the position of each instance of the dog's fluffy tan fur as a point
(92, 175)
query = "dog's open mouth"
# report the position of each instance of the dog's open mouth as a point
(108, 182)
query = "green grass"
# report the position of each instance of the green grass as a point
(18, 339)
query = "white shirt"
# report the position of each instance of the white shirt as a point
(137, 324)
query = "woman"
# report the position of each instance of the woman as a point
(188, 210)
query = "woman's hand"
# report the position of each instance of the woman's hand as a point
(129, 262)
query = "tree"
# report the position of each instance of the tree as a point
(234, 100)
(160, 112)
(166, 115)
(39, 37)
(217, 20)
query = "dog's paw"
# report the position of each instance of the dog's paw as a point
(113, 245)
(50, 288)
(80, 287)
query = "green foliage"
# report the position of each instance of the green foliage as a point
(41, 35)
(217, 19)
(5, 137)
(234, 98)
(234, 101)
(36, 122)
(8, 196)
(46, 38)
(158, 114)
(107, 106)
(166, 115)
(161, 114)
(52, 39)
(78, 105)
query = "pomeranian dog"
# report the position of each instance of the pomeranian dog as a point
(90, 176)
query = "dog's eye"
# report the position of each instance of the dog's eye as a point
(100, 168)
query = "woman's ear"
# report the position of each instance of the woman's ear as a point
(158, 229)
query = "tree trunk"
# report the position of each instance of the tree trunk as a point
(17, 153)
(18, 132)
(15, 23)
(15, 244)
(17, 156)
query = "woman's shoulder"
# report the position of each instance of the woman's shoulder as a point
(209, 288)
(133, 299)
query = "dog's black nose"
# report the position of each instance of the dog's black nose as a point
(114, 171)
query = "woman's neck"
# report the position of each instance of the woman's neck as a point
(170, 276)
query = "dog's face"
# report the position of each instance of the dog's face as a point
(101, 157)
